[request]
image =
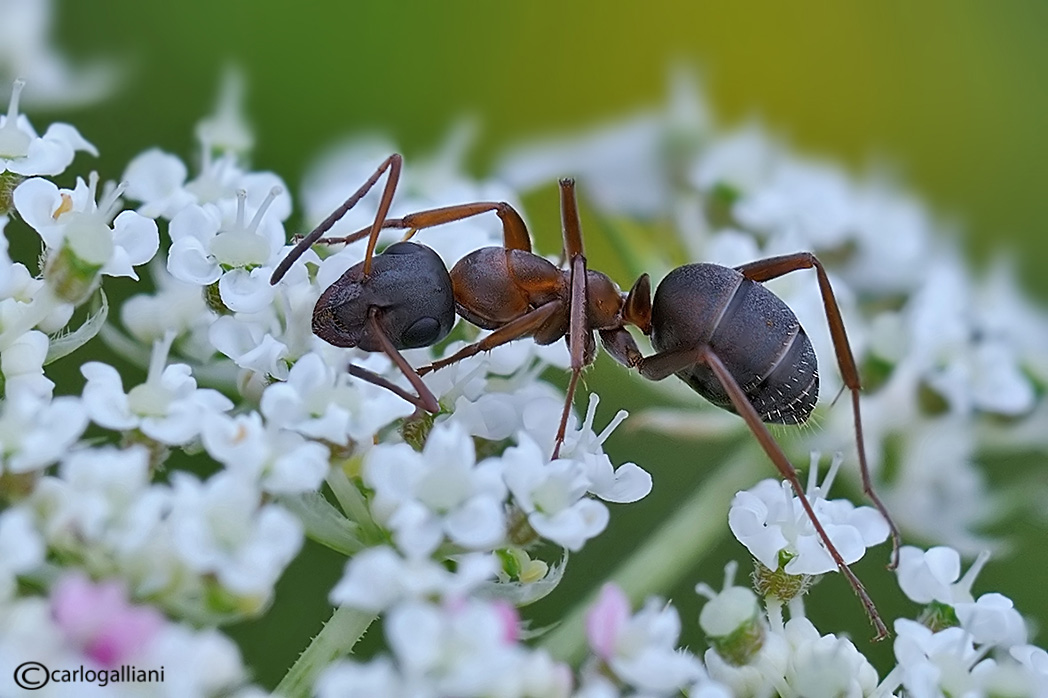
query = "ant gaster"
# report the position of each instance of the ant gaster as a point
(719, 329)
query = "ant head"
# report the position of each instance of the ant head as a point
(410, 291)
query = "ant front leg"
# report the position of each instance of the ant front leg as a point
(425, 398)
(774, 267)
(393, 163)
(523, 326)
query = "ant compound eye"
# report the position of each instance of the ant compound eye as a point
(422, 333)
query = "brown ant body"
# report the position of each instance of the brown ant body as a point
(717, 328)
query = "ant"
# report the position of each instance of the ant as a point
(719, 329)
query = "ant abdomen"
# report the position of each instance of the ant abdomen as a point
(755, 334)
(409, 288)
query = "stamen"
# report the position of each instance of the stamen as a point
(158, 360)
(968, 579)
(813, 472)
(241, 203)
(111, 201)
(12, 107)
(270, 198)
(591, 413)
(14, 143)
(704, 589)
(92, 188)
(618, 419)
(729, 573)
(835, 467)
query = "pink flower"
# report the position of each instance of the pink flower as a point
(99, 619)
(606, 619)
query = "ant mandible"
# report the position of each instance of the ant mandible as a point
(717, 328)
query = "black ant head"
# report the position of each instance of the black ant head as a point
(409, 290)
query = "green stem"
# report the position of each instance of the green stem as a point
(352, 501)
(337, 638)
(670, 553)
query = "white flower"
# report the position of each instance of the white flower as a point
(27, 51)
(22, 363)
(93, 492)
(168, 407)
(35, 432)
(71, 218)
(250, 343)
(321, 402)
(25, 153)
(156, 178)
(641, 649)
(992, 620)
(627, 483)
(552, 494)
(282, 461)
(238, 254)
(159, 180)
(935, 575)
(197, 662)
(344, 679)
(768, 520)
(378, 578)
(175, 306)
(934, 664)
(21, 549)
(441, 491)
(825, 666)
(227, 130)
(729, 609)
(221, 527)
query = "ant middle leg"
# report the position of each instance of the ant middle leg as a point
(515, 234)
(774, 267)
(524, 326)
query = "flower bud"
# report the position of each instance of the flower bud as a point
(731, 621)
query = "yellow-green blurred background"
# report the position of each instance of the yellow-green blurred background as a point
(953, 94)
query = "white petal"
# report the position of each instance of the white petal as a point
(188, 260)
(137, 235)
(37, 200)
(573, 526)
(198, 222)
(154, 175)
(246, 292)
(178, 427)
(630, 483)
(104, 397)
(45, 157)
(64, 133)
(479, 524)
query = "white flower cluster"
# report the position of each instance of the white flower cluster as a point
(473, 484)
(951, 362)
(141, 514)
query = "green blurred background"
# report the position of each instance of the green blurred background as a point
(952, 94)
